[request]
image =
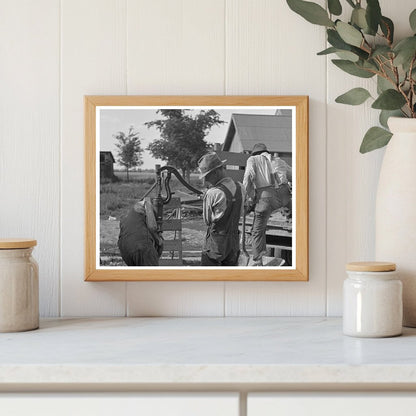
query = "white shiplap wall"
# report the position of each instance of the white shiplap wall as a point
(55, 52)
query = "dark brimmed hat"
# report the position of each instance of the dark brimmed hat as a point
(259, 148)
(208, 163)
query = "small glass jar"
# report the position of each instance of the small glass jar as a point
(372, 300)
(19, 286)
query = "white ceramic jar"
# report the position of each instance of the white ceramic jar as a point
(19, 286)
(372, 300)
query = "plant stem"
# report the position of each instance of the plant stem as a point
(412, 86)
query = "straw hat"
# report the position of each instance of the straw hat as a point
(208, 163)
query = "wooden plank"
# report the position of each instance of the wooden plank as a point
(93, 62)
(172, 225)
(233, 159)
(352, 177)
(257, 51)
(187, 39)
(174, 203)
(29, 136)
(170, 262)
(172, 245)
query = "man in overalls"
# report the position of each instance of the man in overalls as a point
(261, 187)
(139, 242)
(222, 208)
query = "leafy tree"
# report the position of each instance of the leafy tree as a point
(129, 149)
(182, 137)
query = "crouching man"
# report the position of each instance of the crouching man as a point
(222, 208)
(139, 242)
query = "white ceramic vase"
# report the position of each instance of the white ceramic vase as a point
(396, 210)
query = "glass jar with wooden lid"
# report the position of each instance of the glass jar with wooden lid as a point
(19, 286)
(372, 300)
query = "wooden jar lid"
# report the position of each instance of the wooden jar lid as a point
(12, 243)
(371, 266)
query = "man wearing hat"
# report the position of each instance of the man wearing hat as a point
(259, 182)
(222, 209)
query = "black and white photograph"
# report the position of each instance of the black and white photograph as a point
(195, 186)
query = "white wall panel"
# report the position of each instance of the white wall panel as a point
(55, 52)
(266, 55)
(93, 62)
(29, 135)
(352, 177)
(175, 47)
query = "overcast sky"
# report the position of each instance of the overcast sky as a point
(113, 120)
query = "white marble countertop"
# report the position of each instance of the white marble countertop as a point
(162, 352)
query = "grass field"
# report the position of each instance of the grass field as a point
(117, 197)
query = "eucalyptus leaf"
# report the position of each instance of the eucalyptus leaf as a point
(352, 68)
(336, 41)
(386, 114)
(358, 18)
(412, 20)
(355, 96)
(347, 55)
(381, 50)
(311, 12)
(375, 138)
(383, 84)
(389, 100)
(405, 50)
(387, 27)
(349, 34)
(327, 51)
(334, 7)
(373, 15)
(370, 65)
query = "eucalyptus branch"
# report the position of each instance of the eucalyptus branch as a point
(377, 55)
(412, 86)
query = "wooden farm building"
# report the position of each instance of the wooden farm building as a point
(275, 131)
(106, 165)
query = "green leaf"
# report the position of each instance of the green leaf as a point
(334, 7)
(375, 138)
(358, 18)
(387, 27)
(327, 51)
(383, 84)
(349, 34)
(336, 41)
(348, 56)
(389, 100)
(405, 50)
(311, 12)
(373, 15)
(412, 20)
(356, 96)
(352, 68)
(386, 114)
(381, 50)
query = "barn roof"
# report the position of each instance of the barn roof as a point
(104, 152)
(275, 131)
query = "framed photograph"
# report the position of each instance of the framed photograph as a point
(196, 188)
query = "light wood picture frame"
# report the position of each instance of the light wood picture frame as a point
(243, 117)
